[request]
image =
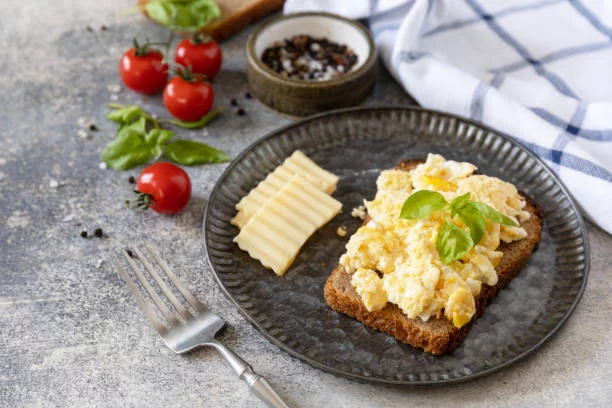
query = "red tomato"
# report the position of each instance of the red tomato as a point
(144, 73)
(188, 100)
(165, 188)
(202, 55)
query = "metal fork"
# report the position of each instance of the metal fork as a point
(186, 330)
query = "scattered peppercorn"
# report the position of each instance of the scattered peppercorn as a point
(241, 112)
(131, 180)
(103, 27)
(98, 232)
(130, 253)
(89, 28)
(84, 234)
(247, 95)
(93, 127)
(233, 102)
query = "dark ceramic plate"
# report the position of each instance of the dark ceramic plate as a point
(357, 144)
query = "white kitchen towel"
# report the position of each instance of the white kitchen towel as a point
(538, 70)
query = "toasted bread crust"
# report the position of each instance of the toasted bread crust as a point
(437, 335)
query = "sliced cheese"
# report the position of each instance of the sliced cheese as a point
(297, 163)
(275, 234)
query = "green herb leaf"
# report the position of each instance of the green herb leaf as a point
(126, 114)
(459, 202)
(127, 150)
(495, 216)
(473, 219)
(183, 15)
(139, 126)
(422, 203)
(189, 152)
(197, 124)
(453, 242)
(158, 137)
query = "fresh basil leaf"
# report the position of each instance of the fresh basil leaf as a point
(157, 151)
(158, 137)
(126, 115)
(127, 150)
(139, 126)
(189, 152)
(474, 220)
(183, 15)
(495, 216)
(422, 203)
(459, 202)
(452, 242)
(197, 124)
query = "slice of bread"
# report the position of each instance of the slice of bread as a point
(437, 335)
(236, 15)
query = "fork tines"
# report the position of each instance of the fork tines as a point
(182, 313)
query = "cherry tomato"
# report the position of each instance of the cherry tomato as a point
(203, 55)
(143, 71)
(164, 187)
(188, 100)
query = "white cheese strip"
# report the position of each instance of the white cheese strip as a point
(275, 234)
(297, 163)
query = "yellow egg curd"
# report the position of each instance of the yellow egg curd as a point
(395, 260)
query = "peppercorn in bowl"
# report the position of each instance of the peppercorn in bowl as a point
(306, 63)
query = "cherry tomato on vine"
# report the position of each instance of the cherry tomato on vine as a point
(143, 69)
(188, 98)
(163, 187)
(201, 53)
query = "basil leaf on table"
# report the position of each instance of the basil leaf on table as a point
(422, 203)
(474, 220)
(189, 152)
(158, 137)
(126, 151)
(126, 114)
(495, 216)
(197, 124)
(183, 15)
(139, 126)
(452, 242)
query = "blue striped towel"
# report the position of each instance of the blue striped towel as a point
(538, 70)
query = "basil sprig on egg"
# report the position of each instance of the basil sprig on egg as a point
(453, 242)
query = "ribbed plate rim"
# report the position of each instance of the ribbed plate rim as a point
(330, 369)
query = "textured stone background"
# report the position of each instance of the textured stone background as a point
(71, 334)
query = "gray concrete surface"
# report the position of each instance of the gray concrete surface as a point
(71, 334)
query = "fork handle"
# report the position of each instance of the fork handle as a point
(257, 384)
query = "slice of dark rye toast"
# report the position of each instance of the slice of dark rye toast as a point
(437, 335)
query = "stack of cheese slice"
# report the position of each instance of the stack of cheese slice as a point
(297, 163)
(279, 215)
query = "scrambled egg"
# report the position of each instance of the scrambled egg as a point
(404, 252)
(369, 287)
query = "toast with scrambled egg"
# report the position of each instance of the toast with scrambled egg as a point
(436, 334)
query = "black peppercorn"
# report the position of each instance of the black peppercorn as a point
(304, 57)
(93, 127)
(247, 95)
(84, 234)
(131, 180)
(103, 27)
(233, 102)
(130, 253)
(241, 112)
(98, 232)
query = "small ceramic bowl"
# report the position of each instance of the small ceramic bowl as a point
(305, 97)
